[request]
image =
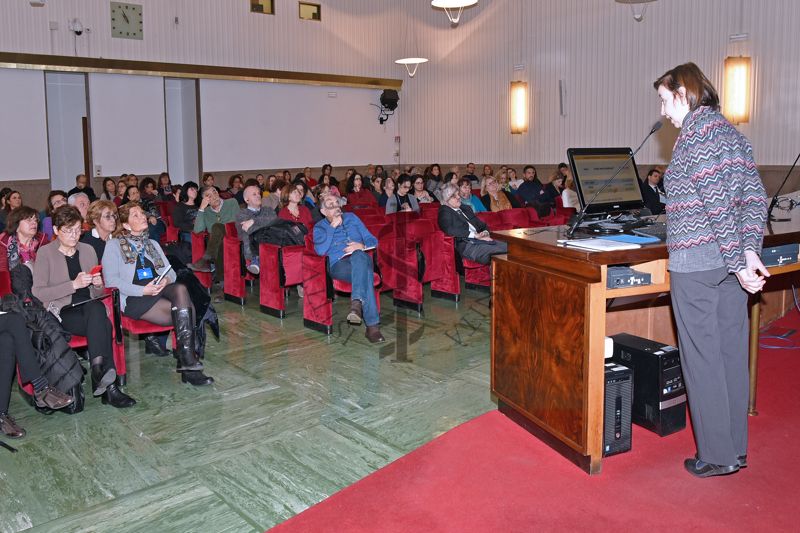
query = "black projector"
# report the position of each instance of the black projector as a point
(659, 395)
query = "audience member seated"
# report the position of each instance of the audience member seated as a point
(433, 178)
(487, 172)
(250, 219)
(292, 208)
(272, 196)
(380, 171)
(16, 351)
(554, 189)
(421, 192)
(653, 193)
(80, 201)
(132, 263)
(402, 201)
(212, 215)
(262, 182)
(148, 200)
(345, 240)
(513, 181)
(470, 233)
(109, 189)
(235, 188)
(62, 278)
(311, 182)
(132, 180)
(122, 186)
(497, 199)
(389, 191)
(165, 192)
(210, 181)
(531, 192)
(569, 198)
(377, 188)
(102, 220)
(469, 174)
(13, 200)
(451, 178)
(54, 200)
(21, 239)
(358, 192)
(464, 187)
(326, 176)
(186, 211)
(82, 185)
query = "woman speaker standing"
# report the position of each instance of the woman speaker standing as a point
(716, 213)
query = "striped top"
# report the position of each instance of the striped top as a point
(716, 204)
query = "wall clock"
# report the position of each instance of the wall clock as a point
(126, 21)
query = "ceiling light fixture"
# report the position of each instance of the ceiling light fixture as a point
(450, 7)
(638, 8)
(411, 64)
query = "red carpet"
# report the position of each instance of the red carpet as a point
(490, 475)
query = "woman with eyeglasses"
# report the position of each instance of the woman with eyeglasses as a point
(102, 219)
(403, 200)
(64, 281)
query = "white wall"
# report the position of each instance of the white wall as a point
(128, 125)
(66, 107)
(456, 108)
(181, 109)
(247, 125)
(23, 126)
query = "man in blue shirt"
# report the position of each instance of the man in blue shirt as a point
(345, 240)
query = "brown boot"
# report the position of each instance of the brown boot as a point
(373, 334)
(9, 427)
(355, 315)
(52, 398)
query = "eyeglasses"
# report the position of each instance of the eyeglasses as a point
(71, 232)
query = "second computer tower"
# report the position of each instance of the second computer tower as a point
(659, 395)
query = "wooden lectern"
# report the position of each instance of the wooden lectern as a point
(551, 313)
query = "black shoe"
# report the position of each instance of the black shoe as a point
(154, 346)
(101, 380)
(116, 398)
(196, 378)
(699, 468)
(355, 316)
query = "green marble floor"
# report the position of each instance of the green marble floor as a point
(294, 416)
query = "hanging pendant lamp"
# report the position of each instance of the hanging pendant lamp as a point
(450, 7)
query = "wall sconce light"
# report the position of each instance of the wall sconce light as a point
(736, 89)
(518, 98)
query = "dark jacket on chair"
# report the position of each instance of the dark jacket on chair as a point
(652, 200)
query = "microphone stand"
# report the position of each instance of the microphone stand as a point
(582, 214)
(775, 198)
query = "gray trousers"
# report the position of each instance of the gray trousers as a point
(481, 251)
(711, 315)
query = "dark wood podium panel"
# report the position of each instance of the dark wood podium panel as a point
(551, 312)
(538, 364)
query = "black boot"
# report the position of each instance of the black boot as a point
(183, 320)
(116, 398)
(156, 345)
(196, 378)
(101, 379)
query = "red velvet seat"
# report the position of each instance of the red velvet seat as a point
(198, 249)
(281, 267)
(319, 290)
(516, 218)
(233, 263)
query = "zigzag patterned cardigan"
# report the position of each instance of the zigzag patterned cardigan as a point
(716, 203)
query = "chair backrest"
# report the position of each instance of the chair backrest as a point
(559, 202)
(493, 220)
(230, 230)
(517, 217)
(416, 230)
(5, 282)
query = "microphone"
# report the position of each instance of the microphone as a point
(775, 198)
(582, 214)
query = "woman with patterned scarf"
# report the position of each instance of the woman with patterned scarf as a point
(132, 262)
(21, 239)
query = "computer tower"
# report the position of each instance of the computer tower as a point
(617, 412)
(659, 394)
